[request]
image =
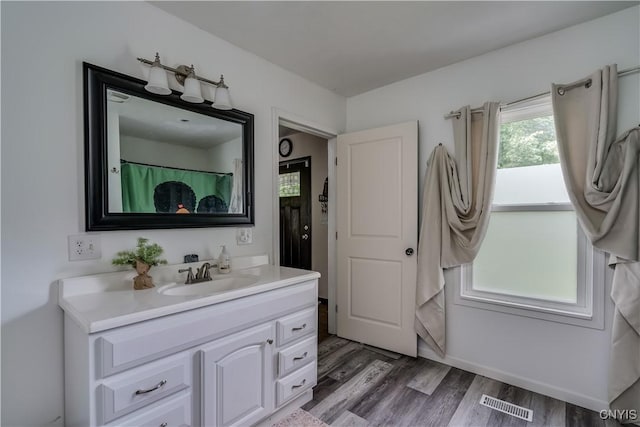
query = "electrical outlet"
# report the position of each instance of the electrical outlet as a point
(84, 246)
(244, 236)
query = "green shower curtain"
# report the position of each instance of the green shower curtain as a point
(139, 182)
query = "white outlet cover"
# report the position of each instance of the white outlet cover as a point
(84, 247)
(244, 236)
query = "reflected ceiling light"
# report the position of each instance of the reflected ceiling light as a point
(187, 77)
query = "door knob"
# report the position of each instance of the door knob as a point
(305, 236)
(409, 251)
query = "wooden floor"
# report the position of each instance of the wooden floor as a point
(363, 386)
(323, 321)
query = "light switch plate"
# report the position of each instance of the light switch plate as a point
(84, 246)
(244, 236)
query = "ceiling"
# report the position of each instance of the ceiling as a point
(154, 121)
(354, 47)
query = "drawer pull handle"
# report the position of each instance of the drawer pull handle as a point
(304, 325)
(293, 387)
(164, 425)
(300, 357)
(160, 384)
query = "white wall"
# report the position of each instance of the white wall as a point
(142, 150)
(315, 147)
(43, 46)
(221, 156)
(565, 360)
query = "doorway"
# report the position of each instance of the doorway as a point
(295, 213)
(287, 125)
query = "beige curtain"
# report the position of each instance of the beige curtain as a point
(455, 213)
(602, 177)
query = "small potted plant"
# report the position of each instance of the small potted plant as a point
(142, 259)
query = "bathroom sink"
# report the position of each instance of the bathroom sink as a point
(214, 286)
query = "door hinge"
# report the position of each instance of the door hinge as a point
(336, 308)
(336, 161)
(336, 235)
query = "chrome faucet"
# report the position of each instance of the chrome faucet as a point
(203, 274)
(190, 278)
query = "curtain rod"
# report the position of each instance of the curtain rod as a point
(123, 161)
(561, 91)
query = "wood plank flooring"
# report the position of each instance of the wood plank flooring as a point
(359, 387)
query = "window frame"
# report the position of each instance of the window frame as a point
(588, 310)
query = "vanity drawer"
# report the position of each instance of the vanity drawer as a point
(291, 358)
(295, 384)
(175, 412)
(140, 387)
(296, 325)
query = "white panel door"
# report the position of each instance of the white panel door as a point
(377, 224)
(237, 376)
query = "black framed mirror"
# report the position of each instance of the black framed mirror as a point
(154, 161)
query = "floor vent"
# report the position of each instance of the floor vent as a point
(507, 408)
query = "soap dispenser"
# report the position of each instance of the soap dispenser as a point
(224, 261)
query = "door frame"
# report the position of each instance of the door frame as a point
(302, 124)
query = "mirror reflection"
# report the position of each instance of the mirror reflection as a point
(163, 159)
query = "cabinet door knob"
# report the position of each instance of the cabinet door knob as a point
(164, 425)
(304, 325)
(409, 251)
(149, 390)
(269, 341)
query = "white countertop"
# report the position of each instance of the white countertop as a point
(105, 301)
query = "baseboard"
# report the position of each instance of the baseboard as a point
(527, 383)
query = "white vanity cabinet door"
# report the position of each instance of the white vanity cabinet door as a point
(237, 373)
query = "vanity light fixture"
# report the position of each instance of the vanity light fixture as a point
(187, 77)
(192, 92)
(157, 83)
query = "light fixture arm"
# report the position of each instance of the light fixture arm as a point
(183, 71)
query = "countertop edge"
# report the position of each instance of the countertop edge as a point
(102, 325)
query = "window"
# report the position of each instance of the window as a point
(534, 259)
(290, 184)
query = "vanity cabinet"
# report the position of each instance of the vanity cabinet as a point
(236, 362)
(237, 378)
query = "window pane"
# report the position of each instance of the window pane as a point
(530, 185)
(528, 164)
(530, 254)
(529, 142)
(290, 184)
